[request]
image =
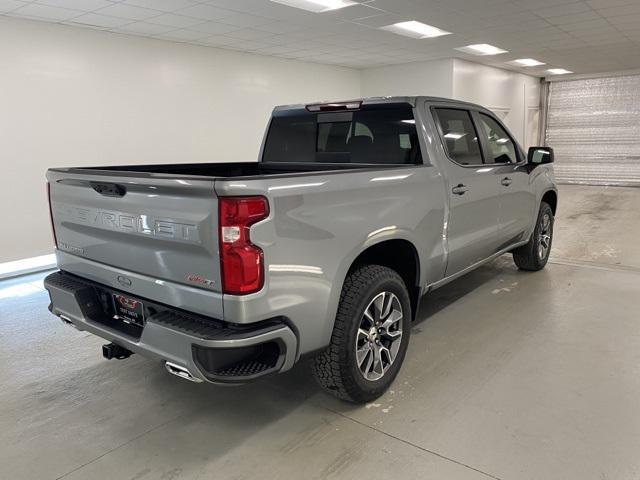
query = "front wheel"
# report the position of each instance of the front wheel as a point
(534, 255)
(370, 336)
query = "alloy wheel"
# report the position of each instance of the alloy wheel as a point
(379, 336)
(544, 236)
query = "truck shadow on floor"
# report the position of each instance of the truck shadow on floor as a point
(438, 300)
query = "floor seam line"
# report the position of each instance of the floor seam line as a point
(426, 450)
(119, 446)
(594, 265)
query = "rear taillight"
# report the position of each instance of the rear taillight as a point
(241, 261)
(53, 229)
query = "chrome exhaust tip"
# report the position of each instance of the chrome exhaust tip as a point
(181, 372)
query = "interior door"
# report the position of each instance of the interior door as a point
(472, 226)
(517, 200)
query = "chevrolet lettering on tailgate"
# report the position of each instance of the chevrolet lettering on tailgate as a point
(125, 222)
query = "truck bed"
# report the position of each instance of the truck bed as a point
(157, 225)
(223, 170)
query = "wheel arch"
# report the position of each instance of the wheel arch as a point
(400, 255)
(551, 197)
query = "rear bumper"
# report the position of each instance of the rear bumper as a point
(208, 349)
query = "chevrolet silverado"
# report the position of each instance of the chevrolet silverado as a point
(227, 272)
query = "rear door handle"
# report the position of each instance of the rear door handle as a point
(460, 189)
(506, 181)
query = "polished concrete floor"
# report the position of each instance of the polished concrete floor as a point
(509, 375)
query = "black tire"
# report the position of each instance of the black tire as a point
(529, 257)
(336, 368)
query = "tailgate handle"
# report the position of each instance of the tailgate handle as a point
(109, 189)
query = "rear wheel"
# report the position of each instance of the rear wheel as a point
(370, 336)
(534, 255)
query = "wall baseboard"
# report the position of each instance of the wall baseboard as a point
(27, 265)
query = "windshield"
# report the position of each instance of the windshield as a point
(380, 134)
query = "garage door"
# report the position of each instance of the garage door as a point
(594, 127)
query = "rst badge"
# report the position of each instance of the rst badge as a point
(200, 280)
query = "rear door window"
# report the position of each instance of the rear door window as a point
(459, 136)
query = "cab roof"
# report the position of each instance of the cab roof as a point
(411, 100)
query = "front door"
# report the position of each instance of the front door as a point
(472, 225)
(517, 200)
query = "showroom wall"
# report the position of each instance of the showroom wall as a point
(514, 97)
(434, 78)
(73, 96)
(511, 95)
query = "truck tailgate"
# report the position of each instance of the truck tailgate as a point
(163, 229)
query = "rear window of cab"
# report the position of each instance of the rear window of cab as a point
(380, 134)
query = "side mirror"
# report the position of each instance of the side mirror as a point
(540, 155)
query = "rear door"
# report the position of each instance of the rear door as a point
(158, 228)
(472, 227)
(517, 199)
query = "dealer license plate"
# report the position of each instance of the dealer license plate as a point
(129, 309)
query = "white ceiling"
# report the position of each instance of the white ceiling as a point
(585, 36)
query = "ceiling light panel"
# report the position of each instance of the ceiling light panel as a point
(415, 29)
(558, 71)
(527, 62)
(481, 49)
(317, 6)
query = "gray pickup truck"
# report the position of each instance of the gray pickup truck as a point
(227, 272)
